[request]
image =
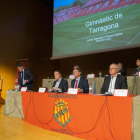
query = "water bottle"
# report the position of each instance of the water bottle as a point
(90, 89)
(100, 74)
(16, 87)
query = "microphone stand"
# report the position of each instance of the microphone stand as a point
(46, 86)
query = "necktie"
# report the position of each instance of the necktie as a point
(21, 79)
(76, 83)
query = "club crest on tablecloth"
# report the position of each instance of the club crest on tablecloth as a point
(61, 113)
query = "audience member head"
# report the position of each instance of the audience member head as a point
(20, 67)
(57, 74)
(113, 69)
(120, 66)
(138, 62)
(77, 72)
(76, 66)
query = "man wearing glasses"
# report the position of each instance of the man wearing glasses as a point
(137, 70)
(115, 81)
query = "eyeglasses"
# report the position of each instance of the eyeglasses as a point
(112, 68)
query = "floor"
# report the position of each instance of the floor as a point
(12, 128)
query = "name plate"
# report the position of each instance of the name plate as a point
(71, 77)
(119, 73)
(42, 90)
(91, 76)
(25, 89)
(121, 92)
(73, 91)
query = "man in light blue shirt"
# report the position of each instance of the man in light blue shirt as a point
(60, 85)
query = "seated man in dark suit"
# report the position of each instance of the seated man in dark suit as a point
(122, 70)
(79, 82)
(76, 66)
(137, 70)
(25, 77)
(115, 81)
(60, 85)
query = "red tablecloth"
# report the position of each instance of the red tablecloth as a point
(85, 116)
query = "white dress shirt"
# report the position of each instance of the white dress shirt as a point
(112, 84)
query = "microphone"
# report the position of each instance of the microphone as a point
(46, 86)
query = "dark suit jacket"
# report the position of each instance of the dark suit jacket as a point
(27, 76)
(83, 84)
(123, 71)
(121, 83)
(63, 85)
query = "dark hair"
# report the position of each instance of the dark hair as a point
(121, 63)
(78, 69)
(58, 71)
(76, 66)
(20, 64)
(138, 59)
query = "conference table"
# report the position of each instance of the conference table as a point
(97, 82)
(95, 117)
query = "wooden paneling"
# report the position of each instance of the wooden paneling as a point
(25, 32)
(101, 61)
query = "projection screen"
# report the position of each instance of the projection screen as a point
(90, 26)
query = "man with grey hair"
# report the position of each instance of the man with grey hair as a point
(79, 82)
(76, 66)
(60, 85)
(115, 81)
